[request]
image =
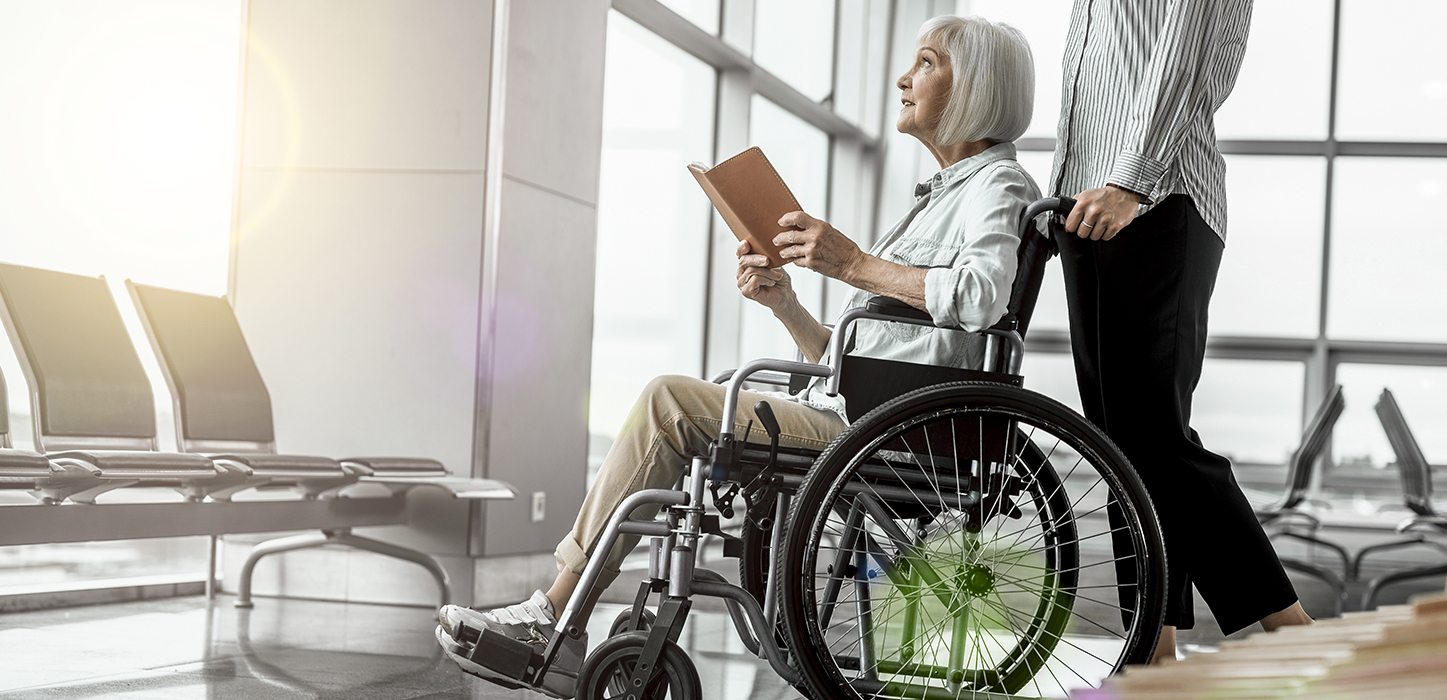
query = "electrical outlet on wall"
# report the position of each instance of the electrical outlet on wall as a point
(540, 506)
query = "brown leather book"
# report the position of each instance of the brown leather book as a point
(751, 197)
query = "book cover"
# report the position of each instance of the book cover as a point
(751, 197)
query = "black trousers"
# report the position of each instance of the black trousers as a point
(1138, 330)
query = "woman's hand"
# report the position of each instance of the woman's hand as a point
(756, 281)
(815, 245)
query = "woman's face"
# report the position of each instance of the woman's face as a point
(924, 90)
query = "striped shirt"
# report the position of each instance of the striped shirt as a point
(1143, 81)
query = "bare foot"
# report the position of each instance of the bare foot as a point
(1166, 647)
(1293, 615)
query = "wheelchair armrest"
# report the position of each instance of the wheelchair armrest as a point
(773, 378)
(736, 382)
(889, 306)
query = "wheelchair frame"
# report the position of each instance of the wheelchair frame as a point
(681, 523)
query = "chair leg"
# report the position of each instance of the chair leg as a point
(346, 538)
(1369, 596)
(1338, 588)
(276, 546)
(1346, 561)
(1362, 553)
(422, 559)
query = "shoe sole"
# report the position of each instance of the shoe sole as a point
(452, 650)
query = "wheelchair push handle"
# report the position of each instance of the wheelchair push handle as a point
(1058, 205)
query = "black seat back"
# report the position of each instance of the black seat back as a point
(221, 401)
(1031, 258)
(88, 389)
(1411, 463)
(1313, 443)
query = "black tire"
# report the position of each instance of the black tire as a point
(987, 559)
(624, 622)
(754, 564)
(606, 671)
(754, 571)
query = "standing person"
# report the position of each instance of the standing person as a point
(1136, 147)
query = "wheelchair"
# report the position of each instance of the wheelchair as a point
(963, 537)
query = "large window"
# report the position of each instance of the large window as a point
(1331, 254)
(119, 147)
(800, 152)
(1336, 158)
(653, 223)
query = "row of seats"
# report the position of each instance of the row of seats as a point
(94, 412)
(1291, 516)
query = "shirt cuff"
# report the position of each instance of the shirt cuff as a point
(1137, 173)
(938, 296)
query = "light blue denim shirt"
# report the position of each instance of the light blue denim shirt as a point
(963, 230)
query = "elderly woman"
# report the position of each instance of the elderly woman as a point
(967, 96)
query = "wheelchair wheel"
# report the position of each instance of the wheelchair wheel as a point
(624, 622)
(606, 672)
(754, 564)
(970, 537)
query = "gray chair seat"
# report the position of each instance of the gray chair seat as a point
(144, 465)
(285, 466)
(396, 466)
(23, 463)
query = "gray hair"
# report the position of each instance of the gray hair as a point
(993, 94)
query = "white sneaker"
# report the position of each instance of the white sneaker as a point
(537, 610)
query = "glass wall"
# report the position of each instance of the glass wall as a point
(653, 223)
(673, 95)
(800, 152)
(1332, 176)
(1336, 152)
(119, 147)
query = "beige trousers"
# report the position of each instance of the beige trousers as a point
(675, 419)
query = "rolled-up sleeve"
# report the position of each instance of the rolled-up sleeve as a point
(974, 291)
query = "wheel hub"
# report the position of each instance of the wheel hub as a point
(978, 580)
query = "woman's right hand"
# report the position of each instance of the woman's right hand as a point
(770, 287)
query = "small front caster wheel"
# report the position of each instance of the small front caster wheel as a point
(608, 672)
(624, 622)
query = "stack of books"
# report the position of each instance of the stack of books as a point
(1397, 651)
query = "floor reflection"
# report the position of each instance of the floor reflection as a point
(183, 648)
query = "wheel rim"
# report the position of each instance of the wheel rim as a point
(974, 581)
(616, 669)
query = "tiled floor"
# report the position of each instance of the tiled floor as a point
(183, 648)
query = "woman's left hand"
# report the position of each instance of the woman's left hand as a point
(815, 245)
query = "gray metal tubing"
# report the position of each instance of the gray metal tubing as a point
(776, 542)
(760, 377)
(736, 383)
(771, 650)
(1338, 589)
(736, 612)
(345, 538)
(1369, 595)
(594, 569)
(644, 528)
(1017, 347)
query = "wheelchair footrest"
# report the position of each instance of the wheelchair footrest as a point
(510, 657)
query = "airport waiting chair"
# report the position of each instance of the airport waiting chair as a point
(1426, 526)
(31, 471)
(1287, 518)
(94, 415)
(222, 407)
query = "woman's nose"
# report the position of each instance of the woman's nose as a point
(901, 84)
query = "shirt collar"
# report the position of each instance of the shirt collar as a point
(964, 169)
